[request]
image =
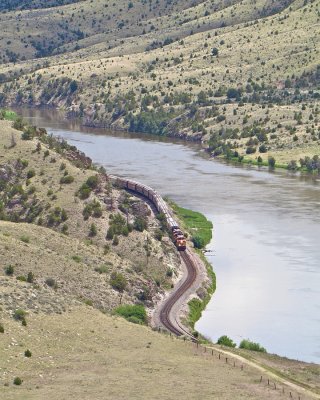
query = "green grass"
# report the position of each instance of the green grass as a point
(8, 115)
(194, 222)
(196, 306)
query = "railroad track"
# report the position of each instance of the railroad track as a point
(165, 313)
(165, 316)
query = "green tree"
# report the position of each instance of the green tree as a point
(214, 51)
(271, 162)
(226, 341)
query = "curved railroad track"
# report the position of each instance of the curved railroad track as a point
(165, 313)
(166, 317)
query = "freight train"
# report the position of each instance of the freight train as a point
(160, 205)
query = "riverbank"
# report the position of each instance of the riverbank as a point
(199, 231)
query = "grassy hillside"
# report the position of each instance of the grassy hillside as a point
(82, 352)
(242, 77)
(62, 221)
(10, 5)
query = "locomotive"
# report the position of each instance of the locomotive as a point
(177, 235)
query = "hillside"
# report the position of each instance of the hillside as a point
(63, 222)
(242, 77)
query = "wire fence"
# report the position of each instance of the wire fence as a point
(284, 390)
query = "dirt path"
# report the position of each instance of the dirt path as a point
(269, 375)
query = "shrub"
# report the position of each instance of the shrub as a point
(88, 302)
(30, 277)
(140, 224)
(93, 208)
(118, 281)
(271, 162)
(19, 314)
(263, 148)
(133, 313)
(102, 269)
(250, 150)
(92, 181)
(64, 229)
(25, 239)
(158, 234)
(76, 258)
(31, 173)
(17, 381)
(57, 216)
(214, 51)
(66, 179)
(226, 341)
(84, 191)
(51, 282)
(292, 166)
(169, 273)
(28, 353)
(93, 230)
(9, 270)
(248, 345)
(198, 242)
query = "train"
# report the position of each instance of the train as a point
(177, 234)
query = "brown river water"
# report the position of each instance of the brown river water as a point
(265, 249)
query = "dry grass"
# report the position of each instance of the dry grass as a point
(82, 353)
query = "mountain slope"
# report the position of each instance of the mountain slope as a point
(242, 77)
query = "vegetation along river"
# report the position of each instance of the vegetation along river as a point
(265, 249)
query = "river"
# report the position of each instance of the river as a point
(265, 249)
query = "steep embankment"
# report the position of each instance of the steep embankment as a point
(243, 78)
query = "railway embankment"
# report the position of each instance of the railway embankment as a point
(195, 282)
(199, 230)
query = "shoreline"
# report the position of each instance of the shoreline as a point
(229, 157)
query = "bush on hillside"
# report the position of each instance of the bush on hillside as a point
(133, 313)
(248, 345)
(226, 341)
